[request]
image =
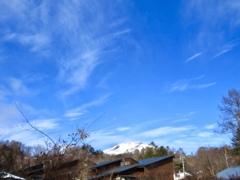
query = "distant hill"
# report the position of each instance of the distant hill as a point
(126, 147)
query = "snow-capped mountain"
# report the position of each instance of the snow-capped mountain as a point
(126, 147)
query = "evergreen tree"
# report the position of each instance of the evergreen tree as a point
(161, 151)
(149, 153)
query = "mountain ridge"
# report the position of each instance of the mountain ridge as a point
(122, 148)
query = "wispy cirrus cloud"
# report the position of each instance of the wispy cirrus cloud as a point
(36, 42)
(210, 126)
(13, 9)
(13, 87)
(18, 86)
(210, 31)
(4, 92)
(205, 134)
(29, 138)
(104, 138)
(224, 11)
(227, 47)
(77, 71)
(235, 8)
(29, 28)
(122, 129)
(9, 115)
(192, 143)
(89, 41)
(163, 131)
(193, 57)
(122, 32)
(202, 86)
(76, 28)
(186, 84)
(181, 120)
(25, 134)
(45, 124)
(75, 113)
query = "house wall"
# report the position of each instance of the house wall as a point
(128, 162)
(163, 169)
(137, 172)
(107, 167)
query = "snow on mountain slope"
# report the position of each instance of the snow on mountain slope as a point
(126, 147)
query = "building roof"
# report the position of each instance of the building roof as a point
(145, 162)
(228, 173)
(114, 171)
(140, 164)
(105, 163)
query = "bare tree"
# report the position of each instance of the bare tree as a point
(230, 115)
(55, 158)
(230, 112)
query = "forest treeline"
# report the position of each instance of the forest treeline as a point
(15, 157)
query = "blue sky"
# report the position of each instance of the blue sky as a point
(124, 70)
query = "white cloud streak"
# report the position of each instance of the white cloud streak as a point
(82, 28)
(163, 131)
(212, 32)
(205, 134)
(181, 120)
(122, 129)
(9, 115)
(223, 11)
(183, 86)
(75, 113)
(17, 86)
(76, 72)
(103, 138)
(210, 126)
(226, 48)
(89, 40)
(26, 136)
(36, 41)
(46, 124)
(13, 87)
(29, 29)
(193, 57)
(202, 86)
(186, 84)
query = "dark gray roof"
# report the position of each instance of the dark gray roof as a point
(105, 163)
(145, 162)
(118, 170)
(142, 163)
(233, 171)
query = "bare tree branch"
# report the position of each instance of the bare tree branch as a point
(33, 127)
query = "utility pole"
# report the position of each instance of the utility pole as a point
(182, 157)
